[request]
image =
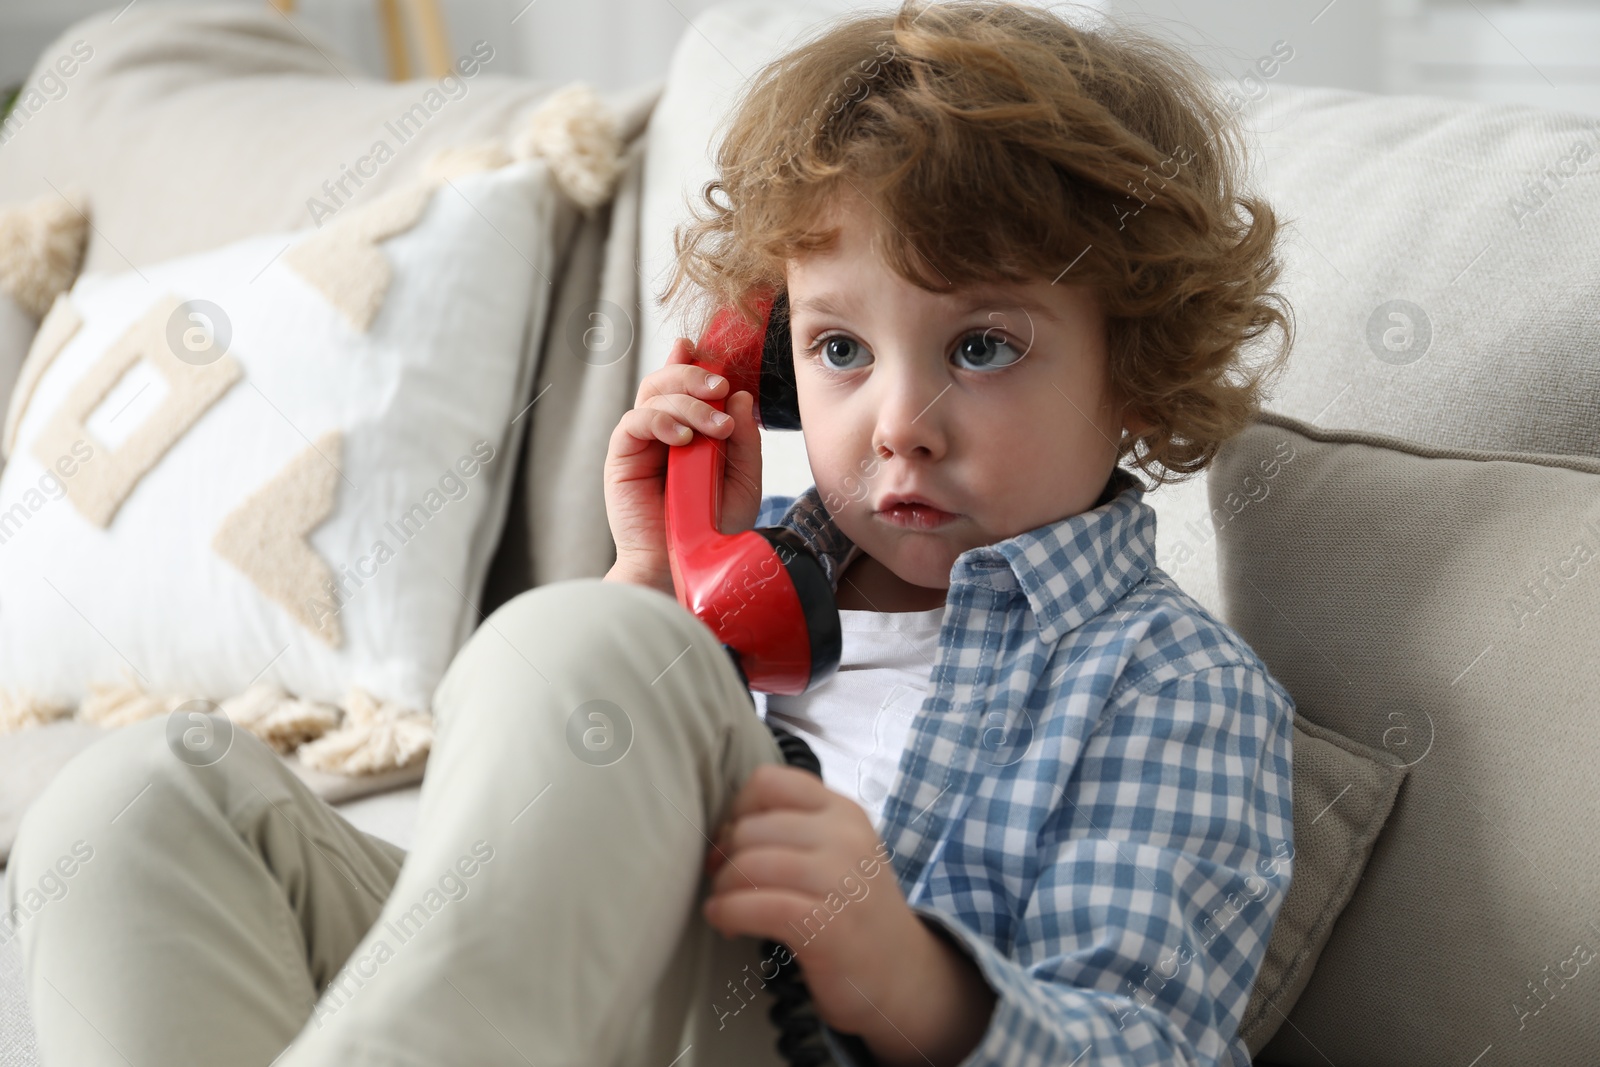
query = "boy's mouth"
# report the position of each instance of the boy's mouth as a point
(912, 512)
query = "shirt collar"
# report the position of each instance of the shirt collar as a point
(1070, 570)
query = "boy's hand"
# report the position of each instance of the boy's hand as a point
(792, 864)
(670, 404)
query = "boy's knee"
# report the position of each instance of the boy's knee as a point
(579, 613)
(586, 601)
(607, 631)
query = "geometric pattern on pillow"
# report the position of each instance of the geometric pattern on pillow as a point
(101, 485)
(343, 261)
(266, 537)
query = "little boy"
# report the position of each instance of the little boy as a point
(1012, 258)
(1053, 825)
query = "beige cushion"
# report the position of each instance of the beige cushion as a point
(1424, 200)
(1441, 605)
(1343, 793)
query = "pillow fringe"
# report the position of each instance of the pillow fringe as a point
(280, 719)
(123, 703)
(376, 736)
(364, 736)
(21, 710)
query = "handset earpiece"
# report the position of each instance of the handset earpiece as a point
(779, 399)
(760, 360)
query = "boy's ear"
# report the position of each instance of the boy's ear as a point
(1136, 425)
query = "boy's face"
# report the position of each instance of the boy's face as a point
(992, 404)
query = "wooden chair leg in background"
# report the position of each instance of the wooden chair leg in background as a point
(428, 24)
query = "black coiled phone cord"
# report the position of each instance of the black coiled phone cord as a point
(802, 1041)
(800, 1038)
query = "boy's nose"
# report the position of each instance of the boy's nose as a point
(910, 421)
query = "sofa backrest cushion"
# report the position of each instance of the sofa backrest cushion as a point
(1441, 289)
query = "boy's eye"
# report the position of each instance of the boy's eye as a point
(835, 351)
(987, 349)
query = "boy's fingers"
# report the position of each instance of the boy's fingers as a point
(801, 831)
(678, 377)
(757, 912)
(745, 431)
(778, 867)
(744, 442)
(642, 428)
(776, 786)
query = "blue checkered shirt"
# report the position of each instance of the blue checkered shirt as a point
(1094, 798)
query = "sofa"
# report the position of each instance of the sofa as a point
(1409, 534)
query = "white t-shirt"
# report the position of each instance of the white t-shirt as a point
(856, 721)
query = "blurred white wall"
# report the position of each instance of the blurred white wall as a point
(1543, 52)
(1536, 51)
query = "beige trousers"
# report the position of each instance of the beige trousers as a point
(591, 735)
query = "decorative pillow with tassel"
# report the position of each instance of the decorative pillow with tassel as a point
(272, 476)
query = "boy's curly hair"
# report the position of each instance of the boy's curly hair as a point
(1003, 143)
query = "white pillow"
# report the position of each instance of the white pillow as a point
(360, 382)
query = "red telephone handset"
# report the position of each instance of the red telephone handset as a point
(763, 591)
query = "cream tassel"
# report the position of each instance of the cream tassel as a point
(375, 737)
(41, 249)
(577, 135)
(285, 722)
(114, 704)
(18, 711)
